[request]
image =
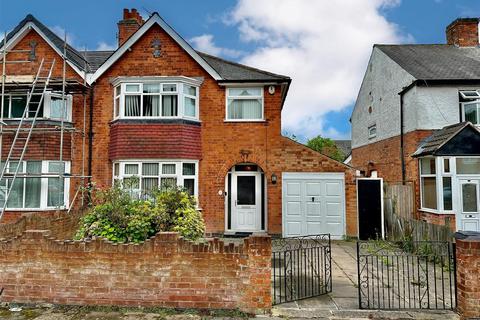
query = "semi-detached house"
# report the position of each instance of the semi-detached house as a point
(162, 113)
(416, 121)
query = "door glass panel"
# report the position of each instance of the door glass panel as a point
(469, 197)
(246, 190)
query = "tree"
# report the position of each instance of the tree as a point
(327, 147)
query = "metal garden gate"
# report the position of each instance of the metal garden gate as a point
(406, 275)
(301, 267)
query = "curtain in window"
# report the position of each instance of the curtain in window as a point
(15, 199)
(429, 192)
(189, 107)
(33, 185)
(168, 169)
(169, 106)
(244, 109)
(150, 169)
(55, 191)
(131, 169)
(189, 185)
(56, 107)
(149, 184)
(168, 183)
(132, 106)
(151, 106)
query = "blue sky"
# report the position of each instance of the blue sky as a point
(322, 44)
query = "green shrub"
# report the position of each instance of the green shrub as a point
(117, 216)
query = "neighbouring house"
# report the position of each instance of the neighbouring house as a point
(416, 120)
(160, 112)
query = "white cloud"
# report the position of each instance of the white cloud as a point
(206, 44)
(60, 32)
(323, 45)
(103, 46)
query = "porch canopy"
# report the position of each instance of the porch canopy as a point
(461, 139)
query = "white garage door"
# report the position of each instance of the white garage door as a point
(313, 203)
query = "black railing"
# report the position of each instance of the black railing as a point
(301, 267)
(406, 275)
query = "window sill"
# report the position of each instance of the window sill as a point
(243, 121)
(437, 212)
(34, 209)
(156, 120)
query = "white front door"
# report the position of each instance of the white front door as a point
(246, 201)
(469, 205)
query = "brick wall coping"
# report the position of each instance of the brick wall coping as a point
(153, 244)
(468, 236)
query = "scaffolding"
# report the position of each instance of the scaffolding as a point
(42, 83)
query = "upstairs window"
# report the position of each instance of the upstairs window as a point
(49, 108)
(155, 100)
(245, 104)
(372, 131)
(470, 105)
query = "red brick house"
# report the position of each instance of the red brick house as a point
(416, 122)
(158, 110)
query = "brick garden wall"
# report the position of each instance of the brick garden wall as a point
(468, 274)
(61, 224)
(164, 271)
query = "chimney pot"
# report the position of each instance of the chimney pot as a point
(463, 32)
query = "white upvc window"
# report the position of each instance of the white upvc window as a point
(245, 104)
(428, 183)
(50, 108)
(39, 185)
(155, 99)
(143, 176)
(471, 112)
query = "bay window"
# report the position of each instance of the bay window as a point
(156, 100)
(142, 177)
(245, 104)
(31, 190)
(50, 108)
(428, 183)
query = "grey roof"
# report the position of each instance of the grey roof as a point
(233, 71)
(96, 58)
(436, 61)
(229, 71)
(438, 138)
(72, 55)
(344, 145)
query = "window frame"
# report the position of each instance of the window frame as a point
(473, 101)
(261, 97)
(46, 106)
(178, 172)
(44, 176)
(179, 93)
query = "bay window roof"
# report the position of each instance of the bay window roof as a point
(454, 140)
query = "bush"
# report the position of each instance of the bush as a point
(117, 216)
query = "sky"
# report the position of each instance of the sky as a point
(323, 45)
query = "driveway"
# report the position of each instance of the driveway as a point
(342, 302)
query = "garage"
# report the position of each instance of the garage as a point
(313, 203)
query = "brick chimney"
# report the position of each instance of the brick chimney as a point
(463, 32)
(130, 23)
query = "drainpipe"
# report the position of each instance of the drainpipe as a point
(402, 155)
(90, 134)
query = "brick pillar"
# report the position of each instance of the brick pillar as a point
(257, 296)
(468, 274)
